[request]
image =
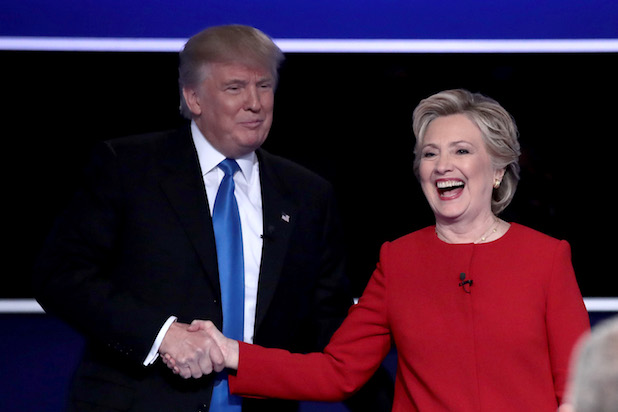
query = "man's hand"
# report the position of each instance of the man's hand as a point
(228, 347)
(221, 352)
(191, 353)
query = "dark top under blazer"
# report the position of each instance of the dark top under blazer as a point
(136, 245)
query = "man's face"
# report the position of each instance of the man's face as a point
(233, 107)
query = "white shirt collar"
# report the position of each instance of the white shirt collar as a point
(210, 158)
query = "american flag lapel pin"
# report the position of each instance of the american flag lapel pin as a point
(285, 217)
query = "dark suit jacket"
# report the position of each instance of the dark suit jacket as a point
(136, 245)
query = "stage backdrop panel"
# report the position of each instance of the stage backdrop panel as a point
(318, 19)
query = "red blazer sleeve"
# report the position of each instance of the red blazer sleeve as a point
(567, 317)
(354, 353)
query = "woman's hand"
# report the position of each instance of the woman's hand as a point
(228, 348)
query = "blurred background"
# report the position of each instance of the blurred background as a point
(73, 74)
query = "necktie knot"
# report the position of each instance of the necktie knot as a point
(229, 167)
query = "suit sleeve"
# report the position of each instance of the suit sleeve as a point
(75, 277)
(567, 318)
(348, 361)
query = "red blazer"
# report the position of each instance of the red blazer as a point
(500, 344)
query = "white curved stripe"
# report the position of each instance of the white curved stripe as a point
(25, 306)
(601, 304)
(90, 44)
(448, 46)
(322, 45)
(20, 306)
(31, 305)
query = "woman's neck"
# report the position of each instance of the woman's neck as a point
(480, 230)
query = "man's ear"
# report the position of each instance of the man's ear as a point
(566, 407)
(192, 100)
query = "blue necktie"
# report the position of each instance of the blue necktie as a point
(228, 238)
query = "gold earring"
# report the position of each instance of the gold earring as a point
(497, 183)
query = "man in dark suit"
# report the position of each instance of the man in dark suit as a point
(133, 260)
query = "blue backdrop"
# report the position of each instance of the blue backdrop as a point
(40, 352)
(319, 19)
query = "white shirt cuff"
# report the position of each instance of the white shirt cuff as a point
(153, 355)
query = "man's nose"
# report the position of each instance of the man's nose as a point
(253, 101)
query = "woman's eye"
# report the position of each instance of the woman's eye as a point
(463, 151)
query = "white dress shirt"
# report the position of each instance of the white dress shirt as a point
(249, 198)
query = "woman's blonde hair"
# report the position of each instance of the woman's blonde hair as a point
(497, 128)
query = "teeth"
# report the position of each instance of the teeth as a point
(445, 184)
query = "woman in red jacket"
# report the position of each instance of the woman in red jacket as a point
(484, 313)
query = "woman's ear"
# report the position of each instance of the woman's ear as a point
(498, 176)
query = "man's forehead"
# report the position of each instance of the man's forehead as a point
(239, 68)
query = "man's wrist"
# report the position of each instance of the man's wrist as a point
(154, 350)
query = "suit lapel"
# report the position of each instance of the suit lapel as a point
(279, 218)
(184, 187)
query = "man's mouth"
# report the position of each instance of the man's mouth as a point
(449, 188)
(252, 123)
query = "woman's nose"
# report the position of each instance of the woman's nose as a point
(444, 163)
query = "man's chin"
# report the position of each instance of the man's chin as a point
(244, 147)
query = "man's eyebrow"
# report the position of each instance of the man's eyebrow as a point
(234, 81)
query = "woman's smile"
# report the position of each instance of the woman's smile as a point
(449, 188)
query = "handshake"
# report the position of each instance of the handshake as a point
(197, 349)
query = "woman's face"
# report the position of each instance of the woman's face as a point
(456, 172)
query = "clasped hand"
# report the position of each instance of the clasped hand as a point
(198, 349)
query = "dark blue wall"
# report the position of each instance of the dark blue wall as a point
(323, 19)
